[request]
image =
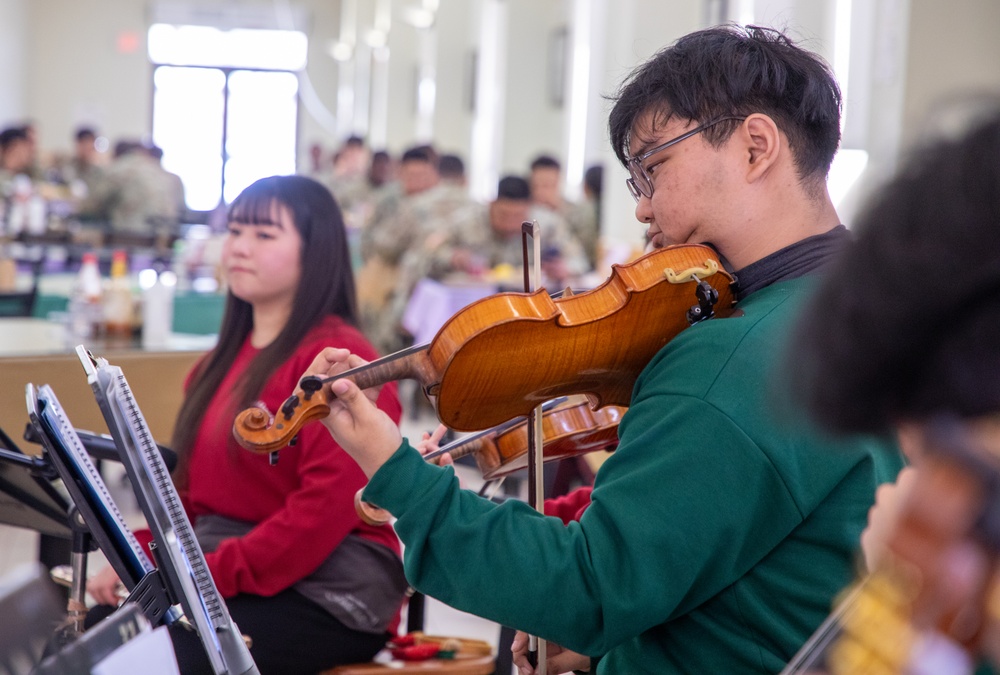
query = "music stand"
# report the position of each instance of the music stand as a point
(30, 608)
(27, 496)
(95, 517)
(178, 553)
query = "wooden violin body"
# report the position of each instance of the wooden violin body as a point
(594, 343)
(568, 430)
(498, 358)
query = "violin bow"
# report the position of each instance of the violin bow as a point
(536, 495)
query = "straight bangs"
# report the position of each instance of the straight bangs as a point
(257, 205)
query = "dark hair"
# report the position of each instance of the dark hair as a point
(125, 147)
(730, 70)
(906, 323)
(451, 166)
(12, 135)
(84, 133)
(545, 162)
(593, 178)
(354, 141)
(513, 187)
(326, 263)
(420, 153)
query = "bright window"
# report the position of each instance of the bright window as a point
(235, 48)
(225, 106)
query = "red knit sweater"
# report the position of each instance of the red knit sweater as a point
(304, 505)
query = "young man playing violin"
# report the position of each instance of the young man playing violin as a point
(720, 530)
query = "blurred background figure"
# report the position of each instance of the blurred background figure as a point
(553, 211)
(392, 231)
(19, 202)
(584, 217)
(382, 170)
(173, 206)
(15, 155)
(136, 201)
(318, 168)
(490, 242)
(348, 180)
(425, 220)
(85, 168)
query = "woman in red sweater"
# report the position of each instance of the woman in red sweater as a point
(302, 575)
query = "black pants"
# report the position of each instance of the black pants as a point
(290, 635)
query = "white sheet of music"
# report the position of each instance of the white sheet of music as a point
(150, 653)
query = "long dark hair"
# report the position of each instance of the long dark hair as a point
(326, 287)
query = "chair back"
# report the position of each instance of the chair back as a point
(18, 303)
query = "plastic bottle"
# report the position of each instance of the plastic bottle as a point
(85, 309)
(118, 305)
(157, 307)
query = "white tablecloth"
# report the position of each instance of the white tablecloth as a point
(434, 302)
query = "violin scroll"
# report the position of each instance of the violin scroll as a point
(255, 430)
(369, 513)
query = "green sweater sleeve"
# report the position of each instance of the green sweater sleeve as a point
(656, 541)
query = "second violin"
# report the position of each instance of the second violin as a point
(569, 429)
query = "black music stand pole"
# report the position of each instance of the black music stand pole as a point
(76, 606)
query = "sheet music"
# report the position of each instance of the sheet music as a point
(181, 557)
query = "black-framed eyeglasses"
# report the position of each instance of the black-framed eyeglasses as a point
(640, 183)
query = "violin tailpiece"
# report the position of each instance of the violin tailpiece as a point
(692, 273)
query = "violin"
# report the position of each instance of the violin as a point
(593, 343)
(570, 428)
(906, 616)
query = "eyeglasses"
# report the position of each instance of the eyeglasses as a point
(640, 183)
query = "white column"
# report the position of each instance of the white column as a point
(578, 96)
(487, 126)
(634, 30)
(13, 29)
(426, 83)
(378, 40)
(344, 53)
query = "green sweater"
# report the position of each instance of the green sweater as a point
(718, 534)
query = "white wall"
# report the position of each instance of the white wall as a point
(78, 72)
(636, 30)
(954, 52)
(455, 44)
(13, 107)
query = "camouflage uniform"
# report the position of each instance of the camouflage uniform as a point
(355, 196)
(135, 196)
(581, 218)
(400, 243)
(474, 234)
(76, 172)
(557, 236)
